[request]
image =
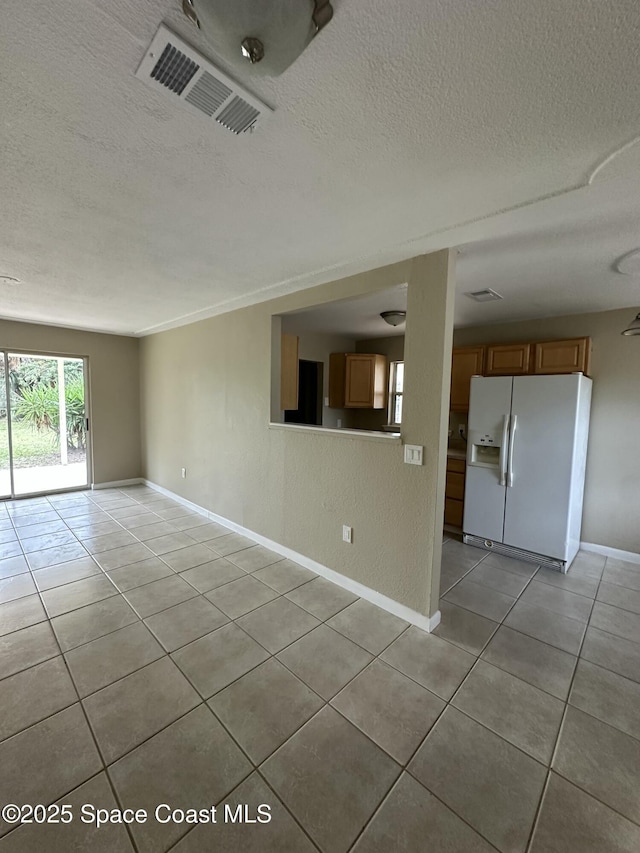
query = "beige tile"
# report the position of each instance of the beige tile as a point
(16, 586)
(185, 622)
(281, 834)
(48, 540)
(124, 556)
(213, 574)
(240, 596)
(622, 623)
(572, 583)
(60, 754)
(325, 660)
(33, 694)
(468, 630)
(159, 595)
(614, 653)
(537, 663)
(437, 665)
(492, 785)
(265, 707)
(83, 625)
(601, 760)
(169, 543)
(133, 709)
(502, 581)
(609, 697)
(206, 531)
(93, 529)
(277, 624)
(284, 575)
(219, 658)
(520, 713)
(189, 558)
(254, 558)
(618, 596)
(321, 598)
(71, 596)
(191, 764)
(411, 819)
(559, 601)
(109, 658)
(53, 556)
(139, 574)
(480, 599)
(26, 647)
(368, 626)
(629, 578)
(573, 822)
(7, 534)
(109, 541)
(154, 530)
(132, 523)
(332, 778)
(21, 613)
(66, 573)
(559, 631)
(394, 711)
(13, 566)
(231, 543)
(76, 836)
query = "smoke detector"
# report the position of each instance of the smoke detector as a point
(487, 295)
(629, 264)
(172, 66)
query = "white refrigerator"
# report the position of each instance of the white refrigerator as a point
(526, 456)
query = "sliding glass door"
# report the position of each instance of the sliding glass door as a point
(43, 425)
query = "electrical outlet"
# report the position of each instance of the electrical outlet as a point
(462, 430)
(184, 473)
(347, 533)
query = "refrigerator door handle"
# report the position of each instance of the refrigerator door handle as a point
(512, 436)
(503, 450)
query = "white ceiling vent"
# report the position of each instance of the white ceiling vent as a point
(487, 295)
(172, 66)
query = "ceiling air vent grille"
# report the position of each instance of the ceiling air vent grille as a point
(487, 295)
(171, 65)
(174, 70)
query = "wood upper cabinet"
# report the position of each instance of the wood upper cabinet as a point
(465, 363)
(570, 356)
(357, 380)
(289, 372)
(507, 359)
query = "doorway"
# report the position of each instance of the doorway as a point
(309, 409)
(43, 424)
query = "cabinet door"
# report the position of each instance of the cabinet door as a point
(454, 485)
(570, 356)
(337, 375)
(507, 359)
(453, 512)
(289, 372)
(359, 381)
(465, 363)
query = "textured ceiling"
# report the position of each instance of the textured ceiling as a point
(404, 127)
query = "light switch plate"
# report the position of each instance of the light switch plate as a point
(413, 454)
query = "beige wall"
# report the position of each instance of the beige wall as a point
(205, 406)
(612, 488)
(114, 388)
(393, 348)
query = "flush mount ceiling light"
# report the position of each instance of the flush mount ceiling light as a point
(629, 264)
(487, 295)
(634, 327)
(394, 318)
(269, 35)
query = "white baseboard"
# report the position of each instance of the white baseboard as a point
(614, 553)
(426, 623)
(116, 484)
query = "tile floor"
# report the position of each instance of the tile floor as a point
(149, 656)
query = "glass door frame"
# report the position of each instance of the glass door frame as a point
(4, 351)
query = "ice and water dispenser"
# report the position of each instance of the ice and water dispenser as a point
(485, 449)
